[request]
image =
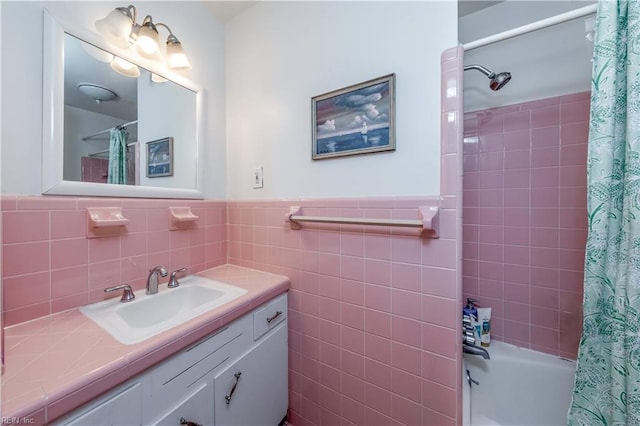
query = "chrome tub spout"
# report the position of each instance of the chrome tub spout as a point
(475, 350)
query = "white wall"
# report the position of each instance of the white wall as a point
(159, 121)
(281, 54)
(549, 62)
(193, 23)
(79, 123)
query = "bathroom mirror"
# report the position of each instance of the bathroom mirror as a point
(151, 107)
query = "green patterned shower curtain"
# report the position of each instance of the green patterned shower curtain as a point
(117, 171)
(607, 383)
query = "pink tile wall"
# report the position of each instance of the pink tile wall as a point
(94, 169)
(525, 219)
(49, 265)
(373, 312)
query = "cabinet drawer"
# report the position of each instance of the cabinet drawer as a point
(197, 359)
(270, 315)
(169, 381)
(197, 408)
(122, 408)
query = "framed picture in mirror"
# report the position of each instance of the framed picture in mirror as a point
(160, 158)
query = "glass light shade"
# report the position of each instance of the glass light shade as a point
(124, 67)
(147, 44)
(115, 27)
(176, 58)
(157, 79)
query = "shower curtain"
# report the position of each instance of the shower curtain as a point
(607, 383)
(117, 172)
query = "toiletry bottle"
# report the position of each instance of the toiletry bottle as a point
(470, 309)
(470, 317)
(484, 317)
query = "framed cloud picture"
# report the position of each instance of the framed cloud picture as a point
(160, 158)
(358, 119)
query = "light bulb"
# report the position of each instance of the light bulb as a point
(147, 44)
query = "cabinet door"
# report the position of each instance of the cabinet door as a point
(196, 408)
(124, 408)
(254, 389)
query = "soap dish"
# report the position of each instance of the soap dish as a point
(105, 221)
(181, 218)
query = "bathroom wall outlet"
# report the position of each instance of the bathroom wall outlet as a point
(257, 178)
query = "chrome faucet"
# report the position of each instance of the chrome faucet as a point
(152, 279)
(173, 281)
(475, 350)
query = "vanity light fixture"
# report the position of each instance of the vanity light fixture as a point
(117, 25)
(176, 57)
(125, 67)
(157, 78)
(120, 28)
(148, 41)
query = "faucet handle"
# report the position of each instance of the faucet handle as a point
(173, 281)
(127, 294)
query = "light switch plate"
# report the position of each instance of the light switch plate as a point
(258, 181)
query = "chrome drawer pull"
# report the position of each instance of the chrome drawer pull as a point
(276, 315)
(227, 398)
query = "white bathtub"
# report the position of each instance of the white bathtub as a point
(517, 387)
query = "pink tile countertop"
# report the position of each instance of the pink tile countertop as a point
(55, 364)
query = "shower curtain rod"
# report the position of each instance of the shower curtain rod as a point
(106, 151)
(534, 26)
(109, 129)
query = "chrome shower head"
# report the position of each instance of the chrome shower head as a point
(497, 80)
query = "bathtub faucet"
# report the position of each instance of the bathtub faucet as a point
(475, 350)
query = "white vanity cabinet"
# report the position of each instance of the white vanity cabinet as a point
(249, 391)
(191, 385)
(122, 407)
(195, 408)
(171, 385)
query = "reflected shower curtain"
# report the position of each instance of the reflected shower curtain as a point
(117, 172)
(607, 384)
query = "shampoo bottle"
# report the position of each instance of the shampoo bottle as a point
(484, 318)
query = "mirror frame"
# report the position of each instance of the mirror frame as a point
(53, 120)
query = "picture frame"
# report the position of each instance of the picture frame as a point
(358, 119)
(160, 158)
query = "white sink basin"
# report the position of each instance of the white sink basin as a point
(148, 315)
